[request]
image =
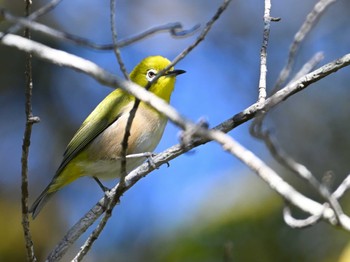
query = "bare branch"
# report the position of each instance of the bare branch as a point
(30, 120)
(308, 66)
(310, 22)
(299, 223)
(175, 30)
(263, 52)
(309, 79)
(33, 16)
(203, 34)
(76, 231)
(115, 40)
(342, 188)
(125, 140)
(93, 236)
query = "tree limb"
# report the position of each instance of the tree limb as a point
(30, 120)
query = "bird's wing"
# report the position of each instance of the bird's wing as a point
(108, 111)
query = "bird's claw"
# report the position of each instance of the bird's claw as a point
(151, 161)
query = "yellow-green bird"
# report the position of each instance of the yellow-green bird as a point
(96, 148)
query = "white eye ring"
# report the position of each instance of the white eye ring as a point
(151, 74)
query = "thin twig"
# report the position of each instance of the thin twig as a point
(342, 188)
(30, 120)
(303, 172)
(115, 40)
(204, 32)
(33, 16)
(175, 29)
(309, 66)
(263, 52)
(299, 223)
(199, 39)
(310, 22)
(131, 117)
(256, 128)
(257, 123)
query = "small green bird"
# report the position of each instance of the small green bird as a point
(95, 150)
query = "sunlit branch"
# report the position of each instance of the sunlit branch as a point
(299, 223)
(342, 188)
(263, 52)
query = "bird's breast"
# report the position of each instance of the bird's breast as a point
(104, 152)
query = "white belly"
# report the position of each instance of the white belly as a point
(105, 151)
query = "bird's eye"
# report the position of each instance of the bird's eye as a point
(151, 74)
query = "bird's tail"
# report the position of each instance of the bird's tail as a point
(41, 201)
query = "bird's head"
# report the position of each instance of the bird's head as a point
(148, 69)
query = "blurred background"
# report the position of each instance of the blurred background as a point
(206, 206)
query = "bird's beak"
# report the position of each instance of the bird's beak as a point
(175, 72)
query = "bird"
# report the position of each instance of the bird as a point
(96, 148)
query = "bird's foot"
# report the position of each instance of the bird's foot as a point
(152, 163)
(149, 156)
